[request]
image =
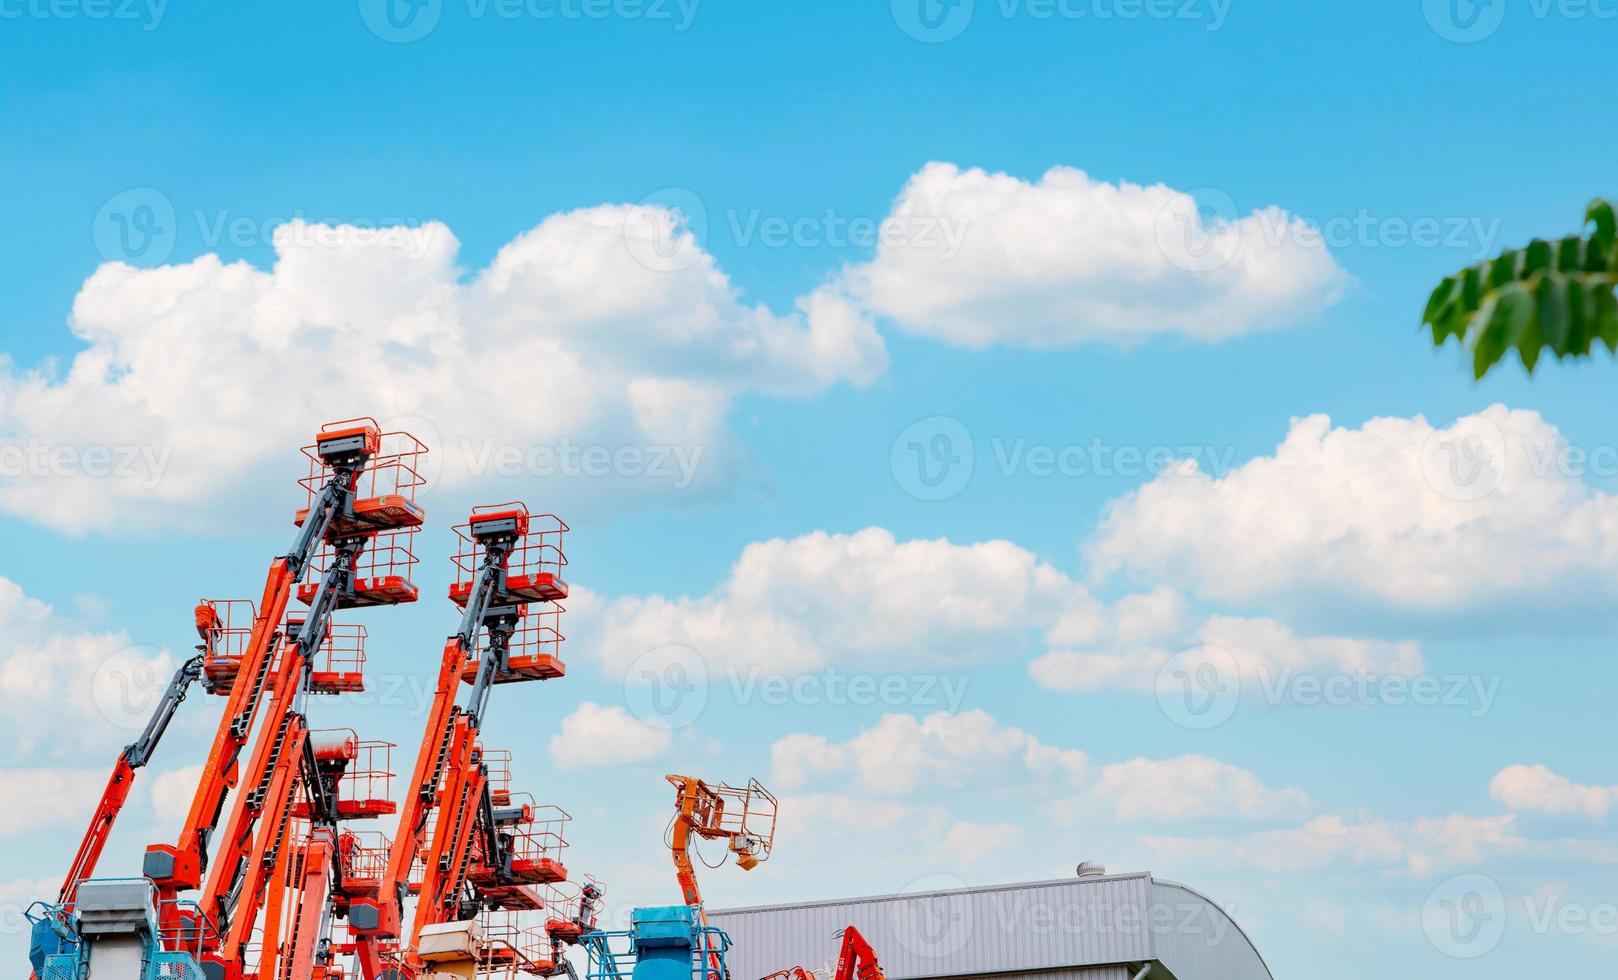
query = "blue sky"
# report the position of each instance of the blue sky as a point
(800, 361)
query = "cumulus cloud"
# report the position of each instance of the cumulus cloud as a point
(1191, 787)
(976, 259)
(1398, 512)
(36, 799)
(800, 603)
(173, 791)
(56, 679)
(902, 755)
(1536, 789)
(570, 337)
(594, 736)
(1422, 846)
(1261, 652)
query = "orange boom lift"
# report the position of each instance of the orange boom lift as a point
(354, 537)
(465, 845)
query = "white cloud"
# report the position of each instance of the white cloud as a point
(795, 604)
(1396, 513)
(967, 843)
(605, 736)
(36, 799)
(67, 690)
(1422, 846)
(902, 755)
(976, 259)
(172, 793)
(567, 337)
(1536, 789)
(1263, 651)
(1190, 787)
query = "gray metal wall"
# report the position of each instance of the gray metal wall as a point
(1112, 921)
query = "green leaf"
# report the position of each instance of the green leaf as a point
(1547, 296)
(1600, 213)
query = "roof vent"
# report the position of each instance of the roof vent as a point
(1091, 869)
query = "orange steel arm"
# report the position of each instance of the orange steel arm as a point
(134, 756)
(314, 892)
(175, 868)
(432, 760)
(857, 960)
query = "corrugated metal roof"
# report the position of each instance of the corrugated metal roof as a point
(1075, 922)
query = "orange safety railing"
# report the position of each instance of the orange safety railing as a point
(498, 762)
(385, 490)
(514, 945)
(381, 572)
(339, 666)
(533, 652)
(366, 789)
(225, 627)
(567, 917)
(535, 565)
(364, 860)
(537, 843)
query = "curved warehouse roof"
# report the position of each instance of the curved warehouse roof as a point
(1097, 926)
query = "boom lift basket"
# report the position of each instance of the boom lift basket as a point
(533, 653)
(225, 627)
(384, 491)
(381, 573)
(363, 856)
(534, 565)
(513, 946)
(339, 666)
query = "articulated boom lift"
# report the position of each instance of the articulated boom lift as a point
(134, 757)
(741, 816)
(476, 848)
